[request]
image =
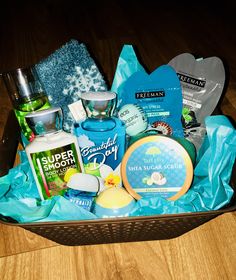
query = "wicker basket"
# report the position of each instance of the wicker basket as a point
(113, 230)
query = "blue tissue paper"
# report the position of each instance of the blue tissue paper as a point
(19, 198)
(66, 73)
(210, 189)
(127, 65)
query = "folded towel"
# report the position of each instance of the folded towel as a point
(66, 73)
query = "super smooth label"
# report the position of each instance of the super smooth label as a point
(51, 166)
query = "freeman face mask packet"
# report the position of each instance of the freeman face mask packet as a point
(158, 94)
(202, 83)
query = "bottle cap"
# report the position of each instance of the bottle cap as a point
(98, 104)
(45, 121)
(23, 84)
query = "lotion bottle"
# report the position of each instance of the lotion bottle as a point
(54, 154)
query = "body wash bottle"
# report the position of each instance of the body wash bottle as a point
(101, 137)
(27, 95)
(54, 154)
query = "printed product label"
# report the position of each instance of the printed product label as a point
(191, 80)
(192, 104)
(150, 94)
(158, 94)
(189, 83)
(156, 167)
(52, 168)
(102, 153)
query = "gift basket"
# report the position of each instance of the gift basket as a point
(149, 159)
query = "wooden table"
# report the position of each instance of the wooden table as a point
(31, 31)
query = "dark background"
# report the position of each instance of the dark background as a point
(159, 30)
(31, 30)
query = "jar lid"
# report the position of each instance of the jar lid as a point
(45, 121)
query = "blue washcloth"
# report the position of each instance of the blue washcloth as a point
(66, 73)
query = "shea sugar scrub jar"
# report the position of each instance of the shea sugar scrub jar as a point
(157, 166)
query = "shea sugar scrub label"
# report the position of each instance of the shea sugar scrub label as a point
(157, 166)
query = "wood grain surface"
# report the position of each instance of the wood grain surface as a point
(207, 252)
(30, 31)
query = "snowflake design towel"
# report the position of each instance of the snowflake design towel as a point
(67, 73)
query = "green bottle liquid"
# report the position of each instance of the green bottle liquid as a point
(23, 109)
(27, 95)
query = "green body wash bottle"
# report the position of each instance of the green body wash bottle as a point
(26, 94)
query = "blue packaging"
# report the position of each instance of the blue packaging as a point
(81, 198)
(101, 137)
(158, 94)
(101, 148)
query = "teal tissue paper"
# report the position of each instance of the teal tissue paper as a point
(64, 210)
(19, 199)
(19, 183)
(66, 73)
(30, 210)
(210, 190)
(215, 163)
(24, 210)
(127, 65)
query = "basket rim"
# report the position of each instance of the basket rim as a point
(123, 219)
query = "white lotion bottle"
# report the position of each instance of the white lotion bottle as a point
(53, 154)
